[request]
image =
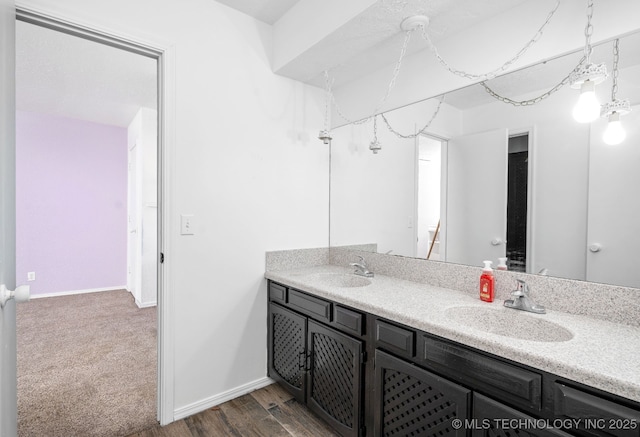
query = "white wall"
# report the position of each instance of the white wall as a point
(143, 133)
(246, 165)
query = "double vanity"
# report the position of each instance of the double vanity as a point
(384, 355)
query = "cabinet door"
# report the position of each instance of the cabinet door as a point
(287, 349)
(334, 384)
(493, 419)
(593, 415)
(413, 402)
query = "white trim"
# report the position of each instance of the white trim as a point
(416, 193)
(145, 304)
(72, 292)
(212, 401)
(165, 52)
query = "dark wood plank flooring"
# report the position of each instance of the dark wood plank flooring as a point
(268, 412)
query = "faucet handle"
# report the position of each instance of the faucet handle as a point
(522, 289)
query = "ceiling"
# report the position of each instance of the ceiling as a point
(76, 78)
(72, 77)
(68, 76)
(268, 11)
(369, 38)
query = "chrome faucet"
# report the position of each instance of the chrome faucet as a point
(361, 268)
(522, 301)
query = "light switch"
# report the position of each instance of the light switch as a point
(31, 276)
(186, 224)
(410, 221)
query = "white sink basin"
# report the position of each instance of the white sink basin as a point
(342, 280)
(509, 323)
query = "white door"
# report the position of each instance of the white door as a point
(134, 248)
(8, 397)
(476, 225)
(613, 227)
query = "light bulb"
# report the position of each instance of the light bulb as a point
(614, 133)
(588, 108)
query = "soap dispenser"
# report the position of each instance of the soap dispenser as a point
(487, 283)
(502, 264)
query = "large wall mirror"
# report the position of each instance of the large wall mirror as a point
(488, 180)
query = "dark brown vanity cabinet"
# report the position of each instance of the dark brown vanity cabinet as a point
(318, 364)
(419, 384)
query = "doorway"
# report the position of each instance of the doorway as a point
(517, 202)
(429, 167)
(82, 33)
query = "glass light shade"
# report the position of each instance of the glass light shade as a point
(614, 133)
(588, 108)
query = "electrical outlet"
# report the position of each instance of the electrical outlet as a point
(31, 276)
(186, 224)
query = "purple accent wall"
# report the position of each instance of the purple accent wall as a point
(71, 203)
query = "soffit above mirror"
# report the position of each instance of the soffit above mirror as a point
(352, 39)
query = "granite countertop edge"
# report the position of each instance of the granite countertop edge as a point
(601, 354)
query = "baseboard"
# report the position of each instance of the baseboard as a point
(204, 404)
(146, 304)
(68, 293)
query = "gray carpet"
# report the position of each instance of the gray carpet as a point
(86, 366)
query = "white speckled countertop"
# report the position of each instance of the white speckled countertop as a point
(601, 354)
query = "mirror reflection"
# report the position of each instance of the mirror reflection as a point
(489, 180)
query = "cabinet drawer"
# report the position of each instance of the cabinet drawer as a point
(597, 416)
(395, 339)
(277, 292)
(513, 384)
(496, 419)
(348, 320)
(313, 306)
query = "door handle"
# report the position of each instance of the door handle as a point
(20, 294)
(595, 247)
(496, 242)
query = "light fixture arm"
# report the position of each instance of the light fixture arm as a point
(375, 145)
(503, 67)
(614, 75)
(421, 131)
(620, 107)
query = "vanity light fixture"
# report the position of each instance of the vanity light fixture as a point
(325, 136)
(586, 77)
(587, 108)
(375, 145)
(615, 133)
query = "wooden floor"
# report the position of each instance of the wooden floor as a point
(267, 412)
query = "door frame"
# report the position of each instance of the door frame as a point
(443, 191)
(531, 193)
(165, 54)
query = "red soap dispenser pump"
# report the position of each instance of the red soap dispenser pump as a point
(487, 283)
